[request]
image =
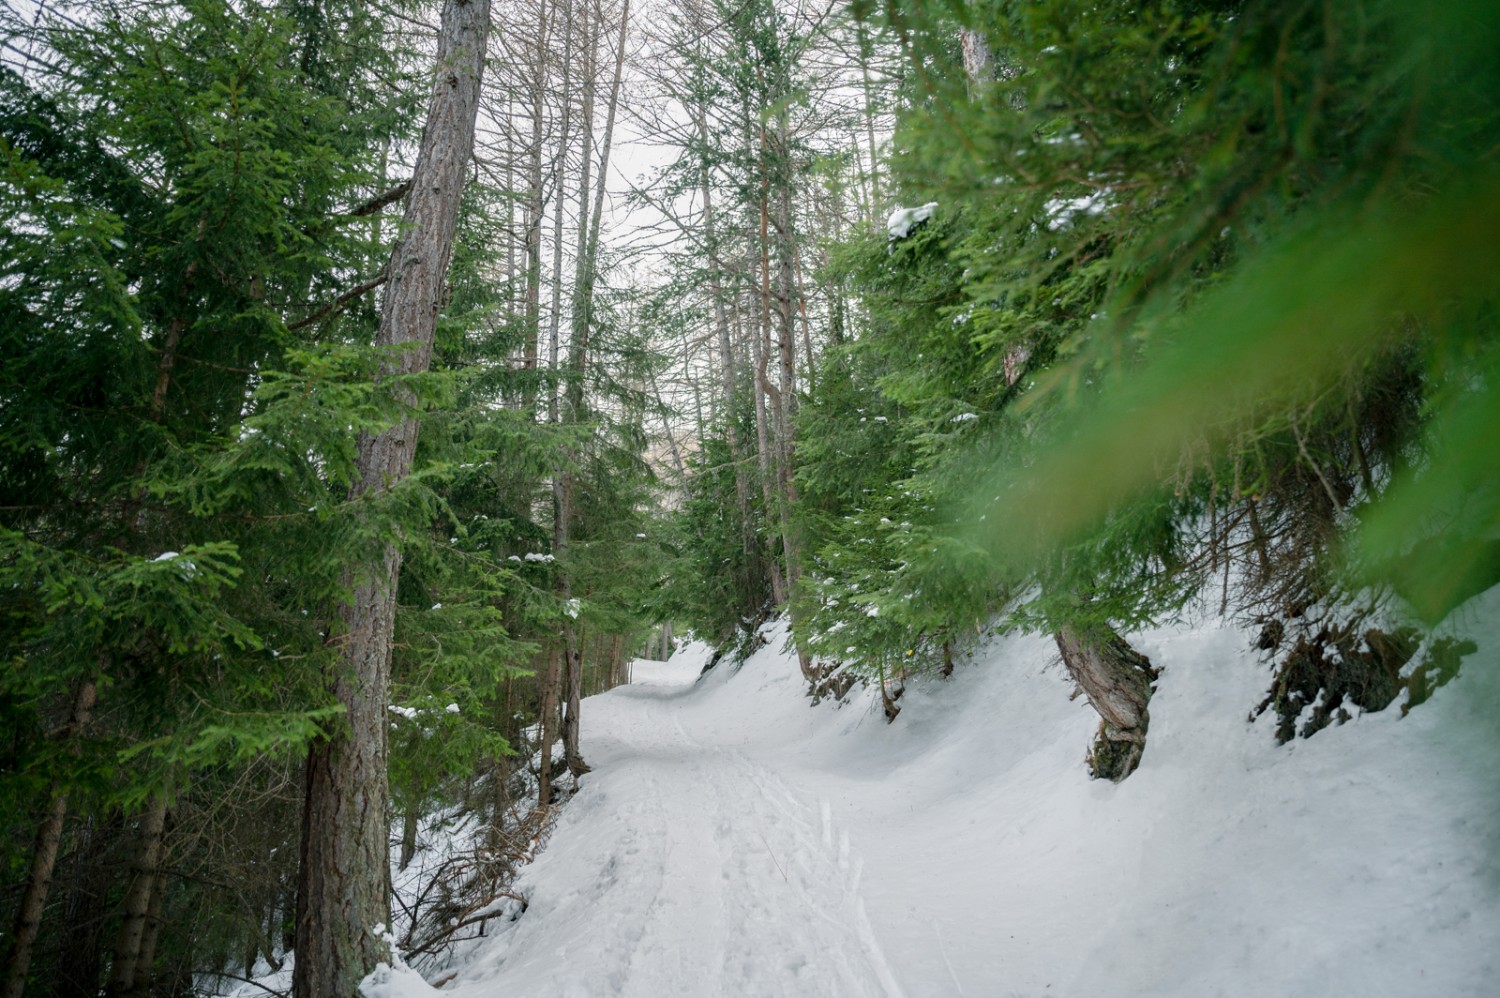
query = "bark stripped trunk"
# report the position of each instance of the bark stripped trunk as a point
(44, 857)
(344, 888)
(1117, 679)
(127, 976)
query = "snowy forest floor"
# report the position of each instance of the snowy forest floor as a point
(735, 841)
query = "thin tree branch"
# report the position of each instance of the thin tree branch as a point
(338, 303)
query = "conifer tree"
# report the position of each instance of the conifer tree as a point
(343, 898)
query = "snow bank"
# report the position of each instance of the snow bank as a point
(735, 841)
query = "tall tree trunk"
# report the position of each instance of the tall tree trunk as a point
(573, 689)
(135, 910)
(409, 822)
(146, 962)
(763, 452)
(727, 366)
(535, 208)
(1117, 679)
(865, 56)
(344, 887)
(44, 855)
(583, 289)
(777, 183)
(547, 725)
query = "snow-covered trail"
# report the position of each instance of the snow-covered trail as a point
(685, 867)
(735, 841)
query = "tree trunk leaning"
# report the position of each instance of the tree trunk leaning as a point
(343, 891)
(1117, 680)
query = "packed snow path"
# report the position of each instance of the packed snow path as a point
(693, 870)
(735, 841)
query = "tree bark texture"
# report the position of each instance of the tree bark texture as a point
(573, 686)
(44, 858)
(344, 889)
(1117, 679)
(977, 57)
(547, 724)
(126, 975)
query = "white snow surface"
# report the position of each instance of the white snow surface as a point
(733, 840)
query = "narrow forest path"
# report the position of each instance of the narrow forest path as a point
(688, 867)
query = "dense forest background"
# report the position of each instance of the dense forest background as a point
(909, 321)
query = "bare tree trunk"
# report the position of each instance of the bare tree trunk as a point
(44, 856)
(547, 726)
(763, 442)
(573, 687)
(727, 372)
(146, 962)
(784, 400)
(535, 208)
(583, 285)
(1117, 679)
(409, 831)
(135, 910)
(865, 54)
(344, 887)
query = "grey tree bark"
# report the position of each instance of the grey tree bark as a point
(547, 725)
(344, 886)
(126, 975)
(1117, 679)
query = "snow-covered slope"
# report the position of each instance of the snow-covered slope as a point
(735, 841)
